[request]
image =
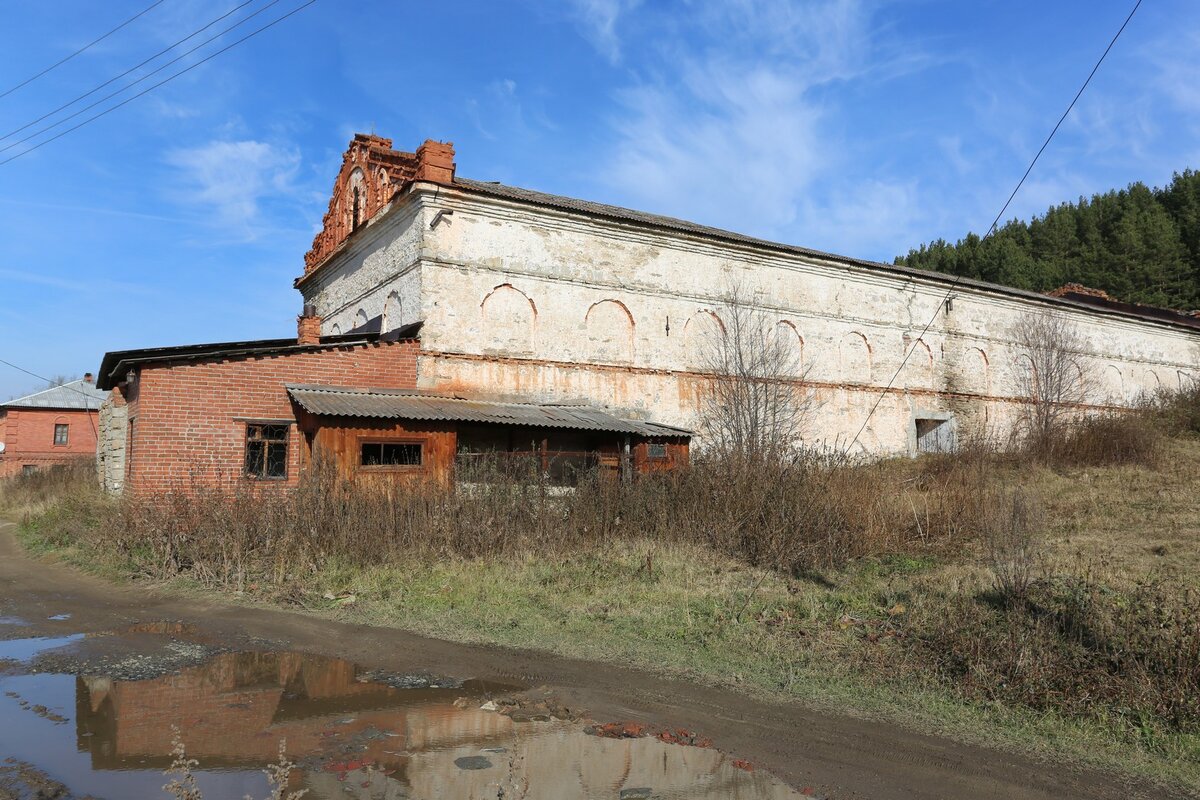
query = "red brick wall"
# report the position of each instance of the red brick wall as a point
(28, 436)
(190, 418)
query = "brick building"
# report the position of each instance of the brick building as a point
(446, 316)
(53, 426)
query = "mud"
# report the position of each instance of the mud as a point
(375, 712)
(349, 731)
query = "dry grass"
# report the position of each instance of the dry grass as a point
(1049, 591)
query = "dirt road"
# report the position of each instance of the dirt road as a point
(838, 757)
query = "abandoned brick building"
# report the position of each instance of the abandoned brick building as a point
(446, 316)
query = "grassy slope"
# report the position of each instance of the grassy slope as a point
(711, 619)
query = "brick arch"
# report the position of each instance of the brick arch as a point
(854, 353)
(918, 372)
(1113, 384)
(356, 201)
(790, 336)
(383, 186)
(610, 331)
(509, 317)
(1023, 366)
(393, 311)
(698, 338)
(975, 371)
(360, 318)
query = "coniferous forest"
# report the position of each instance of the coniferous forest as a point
(1139, 244)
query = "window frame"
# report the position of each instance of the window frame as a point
(369, 440)
(662, 455)
(285, 441)
(65, 429)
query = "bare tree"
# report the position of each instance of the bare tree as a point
(1054, 377)
(754, 405)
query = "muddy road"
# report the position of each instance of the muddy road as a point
(93, 676)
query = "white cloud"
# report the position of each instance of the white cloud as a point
(599, 19)
(233, 178)
(734, 130)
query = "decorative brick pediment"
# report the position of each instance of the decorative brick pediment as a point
(371, 174)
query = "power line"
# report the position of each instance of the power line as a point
(166, 80)
(908, 353)
(86, 408)
(97, 88)
(131, 84)
(59, 63)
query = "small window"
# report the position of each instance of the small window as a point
(28, 469)
(656, 450)
(266, 451)
(61, 431)
(390, 454)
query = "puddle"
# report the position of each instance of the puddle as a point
(12, 621)
(24, 650)
(59, 617)
(352, 734)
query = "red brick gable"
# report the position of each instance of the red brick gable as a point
(371, 174)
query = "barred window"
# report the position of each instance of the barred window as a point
(61, 432)
(390, 454)
(266, 451)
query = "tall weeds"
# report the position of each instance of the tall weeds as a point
(812, 512)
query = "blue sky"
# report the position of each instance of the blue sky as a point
(859, 127)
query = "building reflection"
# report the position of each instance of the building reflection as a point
(353, 737)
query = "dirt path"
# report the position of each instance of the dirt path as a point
(839, 757)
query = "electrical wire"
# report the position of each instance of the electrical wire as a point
(133, 83)
(98, 87)
(949, 292)
(87, 408)
(59, 63)
(149, 89)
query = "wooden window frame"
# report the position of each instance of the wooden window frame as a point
(65, 427)
(365, 440)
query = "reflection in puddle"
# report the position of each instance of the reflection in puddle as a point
(351, 737)
(23, 650)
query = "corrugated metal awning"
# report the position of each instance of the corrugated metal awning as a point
(340, 401)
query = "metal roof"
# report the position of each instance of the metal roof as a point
(341, 401)
(517, 194)
(117, 362)
(74, 395)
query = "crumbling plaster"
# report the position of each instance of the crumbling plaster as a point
(509, 293)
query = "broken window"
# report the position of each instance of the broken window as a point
(656, 450)
(266, 450)
(936, 435)
(28, 469)
(390, 454)
(61, 432)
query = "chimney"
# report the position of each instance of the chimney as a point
(87, 377)
(435, 162)
(308, 326)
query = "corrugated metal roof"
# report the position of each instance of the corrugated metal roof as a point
(340, 401)
(517, 194)
(74, 395)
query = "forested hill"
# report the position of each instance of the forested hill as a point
(1140, 245)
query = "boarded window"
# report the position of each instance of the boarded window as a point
(936, 436)
(266, 451)
(61, 432)
(390, 454)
